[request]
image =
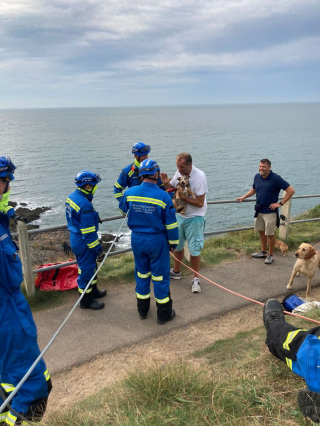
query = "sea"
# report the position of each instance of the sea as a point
(49, 147)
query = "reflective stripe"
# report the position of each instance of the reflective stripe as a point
(7, 387)
(290, 337)
(175, 242)
(143, 275)
(122, 212)
(130, 173)
(165, 300)
(88, 230)
(94, 244)
(73, 205)
(88, 291)
(172, 226)
(118, 195)
(159, 278)
(7, 209)
(3, 237)
(46, 375)
(10, 419)
(79, 271)
(140, 296)
(117, 185)
(289, 363)
(3, 416)
(146, 200)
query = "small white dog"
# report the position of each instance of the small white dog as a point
(307, 264)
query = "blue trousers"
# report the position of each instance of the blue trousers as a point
(86, 259)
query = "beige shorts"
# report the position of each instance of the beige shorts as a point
(266, 222)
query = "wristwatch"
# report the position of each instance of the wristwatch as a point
(280, 202)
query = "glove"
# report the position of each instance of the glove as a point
(172, 247)
(17, 217)
(100, 221)
(100, 256)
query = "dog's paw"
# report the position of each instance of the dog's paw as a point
(289, 286)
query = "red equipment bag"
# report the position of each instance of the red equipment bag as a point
(61, 279)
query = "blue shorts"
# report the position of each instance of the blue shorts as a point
(191, 230)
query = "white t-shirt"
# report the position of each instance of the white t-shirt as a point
(198, 184)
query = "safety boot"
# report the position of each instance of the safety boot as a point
(272, 311)
(143, 306)
(88, 302)
(309, 403)
(97, 294)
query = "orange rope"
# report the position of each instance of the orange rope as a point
(240, 295)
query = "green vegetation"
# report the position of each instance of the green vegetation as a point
(48, 299)
(232, 382)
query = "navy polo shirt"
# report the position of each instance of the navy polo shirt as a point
(268, 190)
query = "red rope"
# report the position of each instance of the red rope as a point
(240, 295)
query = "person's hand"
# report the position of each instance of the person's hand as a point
(18, 218)
(172, 247)
(100, 256)
(100, 221)
(164, 178)
(274, 206)
(240, 199)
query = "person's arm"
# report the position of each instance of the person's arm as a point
(289, 193)
(197, 202)
(119, 186)
(166, 180)
(88, 229)
(247, 195)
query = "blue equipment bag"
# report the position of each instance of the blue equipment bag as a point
(291, 301)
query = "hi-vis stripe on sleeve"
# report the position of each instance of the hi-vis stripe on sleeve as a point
(94, 244)
(146, 200)
(73, 205)
(88, 230)
(118, 195)
(172, 226)
(8, 387)
(290, 337)
(130, 173)
(174, 242)
(117, 185)
(289, 363)
(7, 209)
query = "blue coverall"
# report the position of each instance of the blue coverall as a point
(83, 224)
(18, 338)
(154, 228)
(129, 177)
(299, 349)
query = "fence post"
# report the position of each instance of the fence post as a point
(286, 211)
(26, 258)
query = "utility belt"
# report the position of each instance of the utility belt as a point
(258, 207)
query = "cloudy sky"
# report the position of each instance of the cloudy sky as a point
(56, 53)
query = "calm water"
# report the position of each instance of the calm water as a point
(50, 146)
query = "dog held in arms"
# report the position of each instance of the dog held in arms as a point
(307, 264)
(183, 188)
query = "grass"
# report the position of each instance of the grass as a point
(234, 382)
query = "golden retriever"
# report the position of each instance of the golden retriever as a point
(183, 188)
(282, 246)
(307, 264)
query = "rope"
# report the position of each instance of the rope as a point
(238, 294)
(25, 377)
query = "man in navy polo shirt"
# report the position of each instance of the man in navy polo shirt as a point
(267, 186)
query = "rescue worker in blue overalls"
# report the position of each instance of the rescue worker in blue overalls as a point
(300, 350)
(129, 176)
(7, 168)
(18, 332)
(83, 224)
(152, 220)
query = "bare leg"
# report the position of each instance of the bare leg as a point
(263, 239)
(271, 242)
(195, 265)
(179, 255)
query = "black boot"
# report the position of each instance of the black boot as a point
(272, 311)
(97, 294)
(88, 302)
(165, 312)
(309, 403)
(143, 307)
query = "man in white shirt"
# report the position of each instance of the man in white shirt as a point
(192, 223)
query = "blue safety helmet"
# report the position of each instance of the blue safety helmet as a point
(7, 167)
(86, 177)
(148, 167)
(140, 148)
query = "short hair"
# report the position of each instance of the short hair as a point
(185, 156)
(265, 160)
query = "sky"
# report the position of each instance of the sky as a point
(86, 53)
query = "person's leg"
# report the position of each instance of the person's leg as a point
(271, 226)
(263, 240)
(195, 265)
(179, 251)
(259, 226)
(271, 242)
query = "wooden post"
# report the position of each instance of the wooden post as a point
(26, 258)
(286, 211)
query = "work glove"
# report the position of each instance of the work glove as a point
(172, 247)
(100, 221)
(17, 217)
(100, 256)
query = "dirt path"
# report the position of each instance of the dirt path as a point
(72, 386)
